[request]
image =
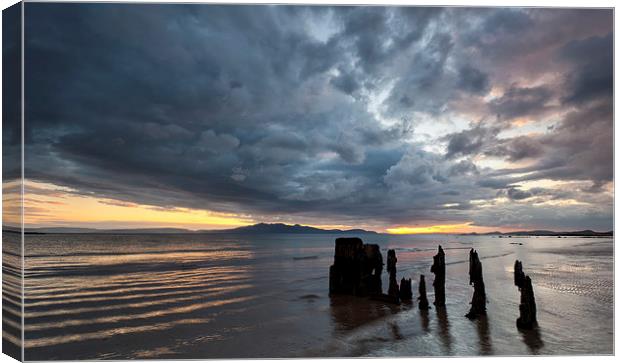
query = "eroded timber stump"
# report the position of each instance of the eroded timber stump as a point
(439, 284)
(357, 268)
(527, 306)
(423, 301)
(479, 300)
(391, 268)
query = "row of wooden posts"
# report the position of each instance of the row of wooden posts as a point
(357, 270)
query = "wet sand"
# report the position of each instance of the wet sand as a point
(218, 296)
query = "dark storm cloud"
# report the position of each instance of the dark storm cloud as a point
(517, 194)
(473, 80)
(346, 82)
(500, 32)
(314, 112)
(579, 148)
(471, 141)
(582, 146)
(369, 28)
(593, 73)
(517, 148)
(463, 167)
(11, 91)
(521, 101)
(423, 85)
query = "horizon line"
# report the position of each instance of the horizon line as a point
(10, 228)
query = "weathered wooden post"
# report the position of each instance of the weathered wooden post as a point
(423, 301)
(527, 307)
(479, 300)
(439, 284)
(372, 269)
(391, 268)
(405, 290)
(357, 268)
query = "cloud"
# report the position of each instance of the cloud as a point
(424, 84)
(517, 148)
(517, 194)
(473, 80)
(346, 114)
(471, 141)
(346, 82)
(592, 76)
(521, 101)
(209, 140)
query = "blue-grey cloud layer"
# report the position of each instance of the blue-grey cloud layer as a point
(315, 113)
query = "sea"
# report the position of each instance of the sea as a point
(161, 296)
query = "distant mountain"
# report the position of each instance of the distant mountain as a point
(584, 233)
(260, 228)
(263, 228)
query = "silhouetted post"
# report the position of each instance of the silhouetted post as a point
(405, 290)
(391, 268)
(372, 269)
(439, 284)
(423, 304)
(479, 300)
(357, 268)
(519, 275)
(527, 307)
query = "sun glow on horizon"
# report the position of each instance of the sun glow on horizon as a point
(440, 229)
(50, 205)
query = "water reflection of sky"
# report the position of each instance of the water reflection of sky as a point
(206, 296)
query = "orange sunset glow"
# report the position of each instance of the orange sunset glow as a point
(52, 205)
(440, 229)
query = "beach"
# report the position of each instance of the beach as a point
(98, 296)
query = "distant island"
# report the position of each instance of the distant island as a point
(260, 228)
(287, 228)
(584, 233)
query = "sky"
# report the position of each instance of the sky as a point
(397, 119)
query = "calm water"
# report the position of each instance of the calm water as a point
(202, 296)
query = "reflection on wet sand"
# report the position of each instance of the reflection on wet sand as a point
(11, 293)
(532, 339)
(484, 335)
(424, 320)
(444, 329)
(395, 329)
(350, 312)
(81, 305)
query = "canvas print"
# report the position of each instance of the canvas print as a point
(278, 181)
